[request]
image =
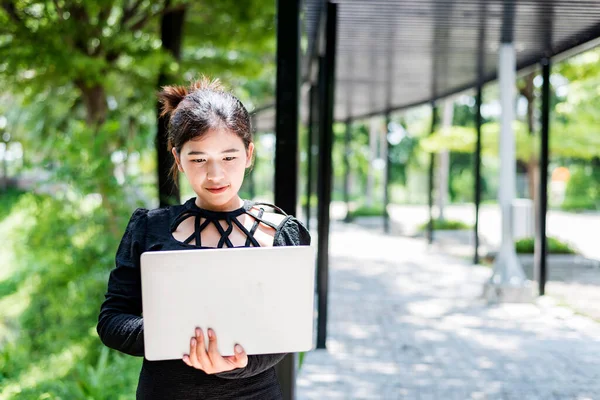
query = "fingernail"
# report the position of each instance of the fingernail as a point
(198, 331)
(238, 349)
(193, 341)
(210, 333)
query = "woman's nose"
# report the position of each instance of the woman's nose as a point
(214, 171)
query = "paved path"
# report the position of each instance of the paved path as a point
(406, 323)
(578, 229)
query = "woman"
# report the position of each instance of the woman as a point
(210, 138)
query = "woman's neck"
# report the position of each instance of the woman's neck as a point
(231, 205)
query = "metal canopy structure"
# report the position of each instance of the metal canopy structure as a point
(390, 55)
(395, 54)
(366, 58)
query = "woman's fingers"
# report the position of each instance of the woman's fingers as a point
(192, 358)
(211, 361)
(201, 354)
(186, 359)
(213, 349)
(240, 357)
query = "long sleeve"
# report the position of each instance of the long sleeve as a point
(256, 365)
(120, 323)
(292, 233)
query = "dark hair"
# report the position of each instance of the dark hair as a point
(198, 108)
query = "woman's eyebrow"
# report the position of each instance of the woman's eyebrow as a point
(201, 153)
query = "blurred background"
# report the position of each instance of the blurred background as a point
(78, 152)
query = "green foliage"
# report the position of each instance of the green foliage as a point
(82, 77)
(580, 204)
(463, 139)
(400, 156)
(366, 211)
(461, 185)
(554, 246)
(357, 156)
(446, 224)
(8, 199)
(62, 256)
(314, 201)
(583, 188)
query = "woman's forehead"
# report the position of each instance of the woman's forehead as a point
(215, 140)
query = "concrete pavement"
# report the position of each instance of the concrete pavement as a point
(406, 322)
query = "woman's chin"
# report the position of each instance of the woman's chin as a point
(223, 201)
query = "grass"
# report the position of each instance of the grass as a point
(366, 211)
(446, 225)
(554, 246)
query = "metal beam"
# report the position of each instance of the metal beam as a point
(312, 103)
(326, 84)
(508, 282)
(478, 122)
(286, 130)
(386, 182)
(347, 138)
(477, 161)
(542, 203)
(430, 179)
(546, 22)
(286, 104)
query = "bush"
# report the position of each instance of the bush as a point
(446, 225)
(580, 204)
(365, 211)
(583, 190)
(62, 254)
(8, 199)
(554, 246)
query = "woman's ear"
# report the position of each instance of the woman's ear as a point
(249, 154)
(177, 160)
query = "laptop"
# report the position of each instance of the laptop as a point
(259, 297)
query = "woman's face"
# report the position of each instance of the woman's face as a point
(215, 165)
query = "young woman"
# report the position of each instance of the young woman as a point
(211, 140)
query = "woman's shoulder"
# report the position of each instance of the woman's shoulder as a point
(288, 230)
(145, 217)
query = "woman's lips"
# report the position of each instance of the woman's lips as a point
(217, 190)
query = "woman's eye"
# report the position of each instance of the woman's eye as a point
(229, 158)
(198, 160)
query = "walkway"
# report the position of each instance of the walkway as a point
(406, 323)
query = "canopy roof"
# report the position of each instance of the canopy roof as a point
(394, 54)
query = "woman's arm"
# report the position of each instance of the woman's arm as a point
(292, 233)
(120, 324)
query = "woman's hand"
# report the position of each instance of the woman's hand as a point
(211, 361)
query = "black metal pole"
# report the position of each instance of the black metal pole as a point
(386, 182)
(347, 137)
(477, 161)
(542, 203)
(312, 94)
(478, 123)
(326, 77)
(430, 178)
(286, 104)
(286, 131)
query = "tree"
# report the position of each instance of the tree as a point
(171, 35)
(85, 48)
(101, 61)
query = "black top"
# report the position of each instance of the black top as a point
(120, 323)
